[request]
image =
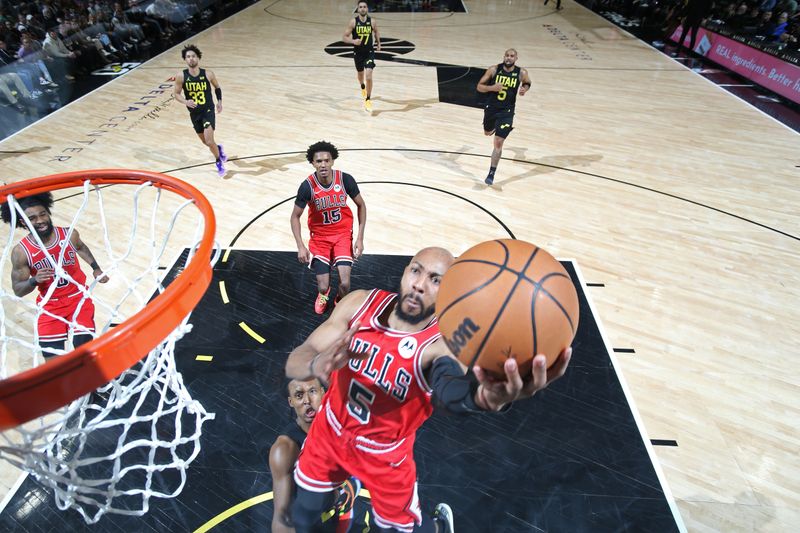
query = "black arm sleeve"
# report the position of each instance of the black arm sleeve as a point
(350, 185)
(303, 195)
(453, 390)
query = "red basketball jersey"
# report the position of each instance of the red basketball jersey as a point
(328, 213)
(384, 397)
(38, 259)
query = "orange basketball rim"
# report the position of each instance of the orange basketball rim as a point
(40, 390)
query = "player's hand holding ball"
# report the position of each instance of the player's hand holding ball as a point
(500, 304)
(497, 393)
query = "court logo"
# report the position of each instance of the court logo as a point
(390, 48)
(115, 69)
(407, 347)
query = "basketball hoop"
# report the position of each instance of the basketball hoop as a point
(97, 450)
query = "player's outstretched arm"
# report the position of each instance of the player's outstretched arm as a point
(459, 393)
(328, 347)
(282, 457)
(376, 36)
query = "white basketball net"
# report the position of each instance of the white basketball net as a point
(114, 449)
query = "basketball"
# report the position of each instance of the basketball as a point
(506, 298)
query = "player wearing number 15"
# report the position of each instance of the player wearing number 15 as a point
(503, 81)
(193, 89)
(330, 222)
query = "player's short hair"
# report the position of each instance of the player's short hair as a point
(321, 146)
(191, 48)
(511, 50)
(362, 2)
(44, 199)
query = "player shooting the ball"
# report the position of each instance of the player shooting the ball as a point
(387, 366)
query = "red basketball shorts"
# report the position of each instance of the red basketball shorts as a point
(332, 249)
(388, 471)
(72, 309)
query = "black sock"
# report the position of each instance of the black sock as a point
(363, 86)
(367, 97)
(218, 160)
(491, 170)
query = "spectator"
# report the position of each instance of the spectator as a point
(14, 92)
(56, 49)
(127, 30)
(765, 25)
(738, 20)
(753, 19)
(778, 33)
(9, 63)
(30, 53)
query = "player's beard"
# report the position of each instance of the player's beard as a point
(508, 64)
(46, 232)
(423, 314)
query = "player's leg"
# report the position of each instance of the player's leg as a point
(369, 66)
(343, 261)
(368, 77)
(48, 348)
(497, 151)
(359, 62)
(83, 317)
(208, 139)
(392, 481)
(489, 121)
(317, 475)
(502, 130)
(308, 508)
(368, 98)
(323, 273)
(322, 258)
(52, 332)
(344, 270)
(440, 522)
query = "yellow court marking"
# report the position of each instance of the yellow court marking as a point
(225, 255)
(252, 333)
(206, 358)
(223, 292)
(255, 500)
(267, 496)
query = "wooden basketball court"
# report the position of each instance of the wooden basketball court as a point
(677, 200)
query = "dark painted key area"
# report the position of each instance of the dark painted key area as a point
(572, 459)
